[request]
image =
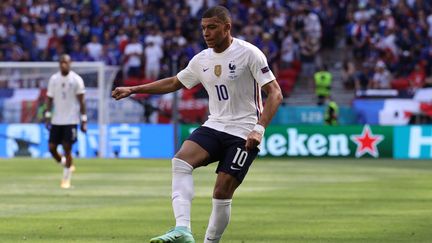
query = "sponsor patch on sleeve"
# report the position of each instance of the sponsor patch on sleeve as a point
(265, 69)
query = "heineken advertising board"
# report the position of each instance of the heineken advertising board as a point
(327, 141)
(413, 142)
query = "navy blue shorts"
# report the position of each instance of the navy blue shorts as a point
(228, 149)
(63, 134)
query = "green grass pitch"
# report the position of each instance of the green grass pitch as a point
(300, 200)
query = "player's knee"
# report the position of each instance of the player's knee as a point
(52, 148)
(181, 166)
(222, 192)
(183, 171)
(68, 153)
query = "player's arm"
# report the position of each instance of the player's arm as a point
(83, 112)
(48, 114)
(162, 86)
(274, 99)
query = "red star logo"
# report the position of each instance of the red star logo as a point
(367, 142)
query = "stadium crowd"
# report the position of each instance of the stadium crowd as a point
(144, 36)
(391, 45)
(390, 39)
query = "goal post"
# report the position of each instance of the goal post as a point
(35, 75)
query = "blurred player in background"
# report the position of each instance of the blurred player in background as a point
(233, 72)
(66, 92)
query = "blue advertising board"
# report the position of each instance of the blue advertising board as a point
(123, 141)
(412, 142)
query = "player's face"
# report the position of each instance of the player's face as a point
(65, 65)
(214, 31)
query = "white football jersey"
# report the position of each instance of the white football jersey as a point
(233, 80)
(64, 91)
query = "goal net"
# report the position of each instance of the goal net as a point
(22, 103)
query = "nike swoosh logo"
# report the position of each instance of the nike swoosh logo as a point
(234, 168)
(211, 239)
(205, 69)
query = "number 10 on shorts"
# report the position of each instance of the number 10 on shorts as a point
(240, 157)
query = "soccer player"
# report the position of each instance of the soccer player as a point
(233, 72)
(66, 92)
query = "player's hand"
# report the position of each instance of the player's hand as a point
(48, 124)
(83, 127)
(253, 140)
(121, 92)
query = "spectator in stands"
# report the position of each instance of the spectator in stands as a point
(133, 57)
(428, 82)
(289, 50)
(405, 40)
(382, 77)
(417, 78)
(323, 81)
(41, 39)
(348, 73)
(312, 24)
(153, 55)
(110, 55)
(362, 77)
(309, 47)
(426, 54)
(179, 38)
(121, 40)
(329, 21)
(360, 38)
(53, 42)
(154, 36)
(76, 54)
(26, 36)
(95, 48)
(429, 24)
(68, 39)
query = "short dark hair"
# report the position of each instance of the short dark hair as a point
(220, 12)
(65, 56)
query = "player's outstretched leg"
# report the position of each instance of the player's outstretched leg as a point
(178, 234)
(182, 194)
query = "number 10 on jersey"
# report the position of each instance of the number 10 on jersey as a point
(222, 92)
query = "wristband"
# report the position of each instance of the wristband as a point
(259, 129)
(48, 114)
(84, 118)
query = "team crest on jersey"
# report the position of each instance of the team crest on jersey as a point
(232, 73)
(232, 67)
(218, 70)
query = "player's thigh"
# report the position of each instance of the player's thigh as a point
(55, 136)
(70, 134)
(201, 148)
(236, 160)
(193, 153)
